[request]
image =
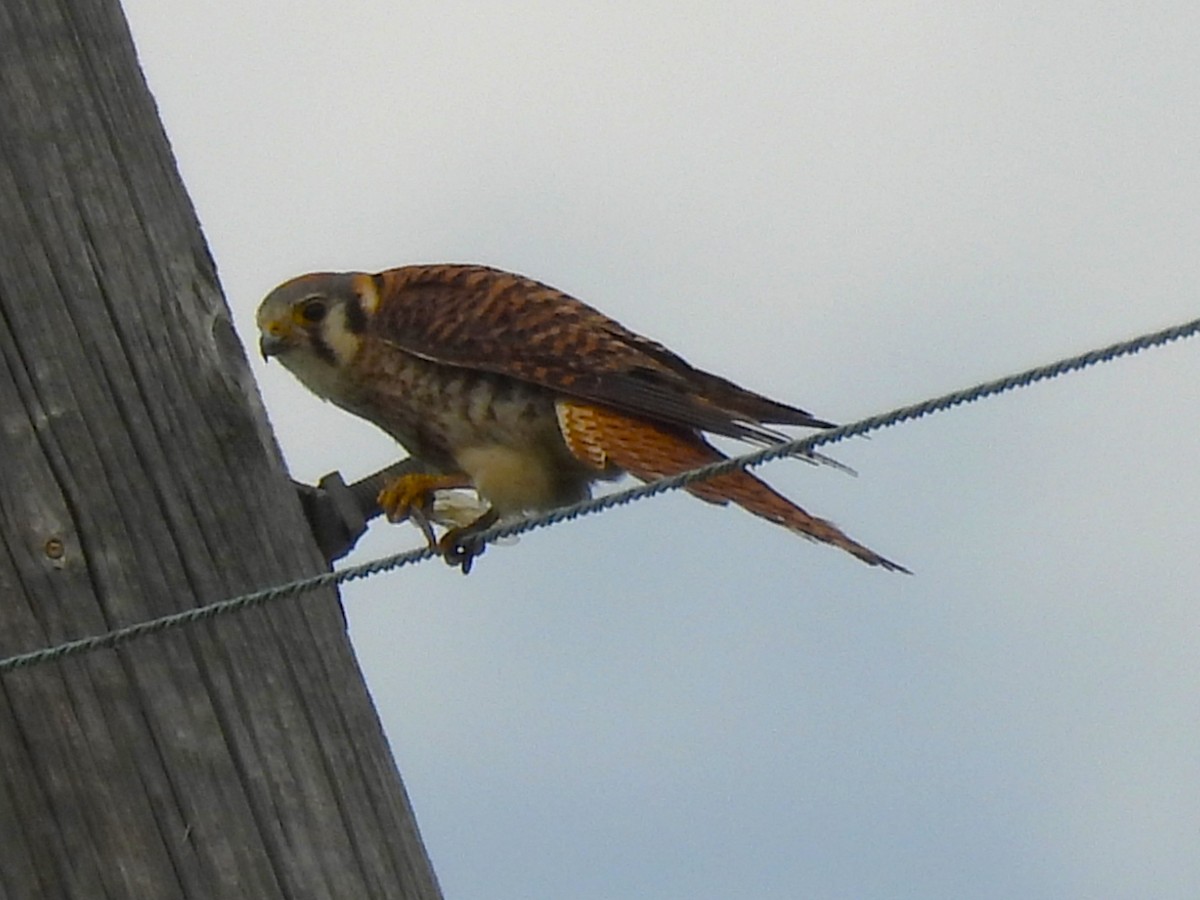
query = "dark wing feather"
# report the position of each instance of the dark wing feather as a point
(485, 319)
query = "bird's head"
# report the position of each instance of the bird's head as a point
(313, 324)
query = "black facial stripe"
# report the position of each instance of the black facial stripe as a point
(356, 318)
(323, 351)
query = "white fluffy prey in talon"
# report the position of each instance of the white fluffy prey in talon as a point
(460, 508)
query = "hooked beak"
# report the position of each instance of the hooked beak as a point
(271, 345)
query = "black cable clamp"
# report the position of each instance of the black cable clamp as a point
(338, 513)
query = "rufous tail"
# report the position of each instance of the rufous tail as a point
(604, 437)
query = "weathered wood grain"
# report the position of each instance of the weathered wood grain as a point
(240, 758)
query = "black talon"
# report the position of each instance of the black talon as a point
(416, 515)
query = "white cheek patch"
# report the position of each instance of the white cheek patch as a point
(338, 337)
(321, 370)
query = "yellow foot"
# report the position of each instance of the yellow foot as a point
(456, 546)
(411, 496)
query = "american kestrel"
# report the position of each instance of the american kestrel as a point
(505, 385)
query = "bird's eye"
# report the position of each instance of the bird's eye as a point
(313, 310)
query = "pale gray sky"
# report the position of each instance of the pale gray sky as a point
(847, 206)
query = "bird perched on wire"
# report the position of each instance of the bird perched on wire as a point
(505, 385)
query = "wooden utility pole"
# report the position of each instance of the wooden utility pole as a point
(238, 758)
